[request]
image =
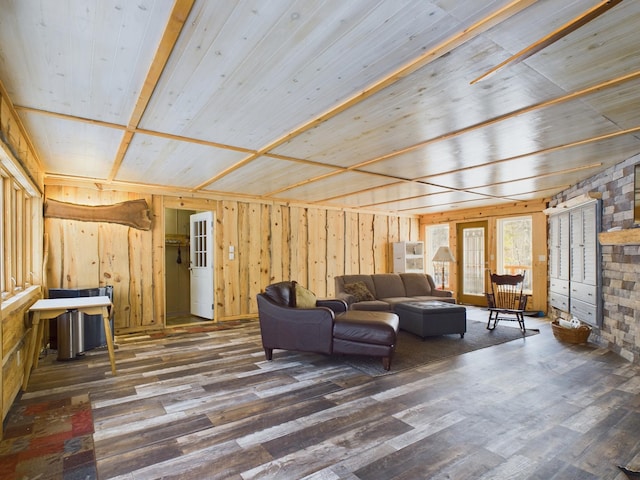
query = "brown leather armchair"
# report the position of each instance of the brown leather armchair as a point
(326, 328)
(286, 327)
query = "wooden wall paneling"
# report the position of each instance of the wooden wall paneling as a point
(276, 264)
(365, 243)
(394, 236)
(265, 250)
(539, 298)
(113, 252)
(228, 281)
(285, 253)
(337, 243)
(256, 242)
(299, 245)
(80, 263)
(352, 244)
(18, 141)
(404, 230)
(244, 259)
(158, 289)
(317, 259)
(14, 335)
(52, 272)
(140, 278)
(380, 244)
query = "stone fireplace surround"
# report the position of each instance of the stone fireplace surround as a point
(620, 261)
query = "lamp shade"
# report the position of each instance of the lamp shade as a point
(443, 255)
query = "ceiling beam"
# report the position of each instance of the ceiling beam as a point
(177, 19)
(553, 37)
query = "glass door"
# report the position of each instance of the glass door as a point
(472, 262)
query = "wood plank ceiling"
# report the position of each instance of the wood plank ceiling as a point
(356, 104)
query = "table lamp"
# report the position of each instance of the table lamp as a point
(443, 255)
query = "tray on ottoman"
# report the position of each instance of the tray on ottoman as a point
(431, 318)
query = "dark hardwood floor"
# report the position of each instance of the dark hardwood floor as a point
(206, 405)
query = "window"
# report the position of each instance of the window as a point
(514, 248)
(18, 206)
(437, 236)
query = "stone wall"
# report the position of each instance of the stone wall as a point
(620, 263)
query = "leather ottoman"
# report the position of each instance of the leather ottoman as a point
(432, 318)
(360, 332)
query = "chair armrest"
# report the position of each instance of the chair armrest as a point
(337, 305)
(303, 329)
(346, 298)
(441, 293)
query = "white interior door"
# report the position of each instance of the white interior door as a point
(201, 264)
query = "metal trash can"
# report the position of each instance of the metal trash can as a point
(79, 332)
(70, 326)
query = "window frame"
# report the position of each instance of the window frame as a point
(500, 223)
(19, 202)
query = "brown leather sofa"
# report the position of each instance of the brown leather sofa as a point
(385, 290)
(327, 328)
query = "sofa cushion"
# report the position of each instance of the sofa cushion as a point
(304, 298)
(371, 305)
(282, 293)
(416, 284)
(342, 280)
(393, 301)
(359, 290)
(388, 285)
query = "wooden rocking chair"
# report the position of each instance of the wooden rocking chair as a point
(506, 300)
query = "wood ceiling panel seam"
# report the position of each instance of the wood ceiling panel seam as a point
(175, 23)
(430, 55)
(555, 101)
(606, 136)
(553, 37)
(538, 176)
(507, 116)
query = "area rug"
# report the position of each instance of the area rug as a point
(412, 351)
(49, 439)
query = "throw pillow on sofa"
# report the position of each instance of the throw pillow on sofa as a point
(304, 298)
(359, 290)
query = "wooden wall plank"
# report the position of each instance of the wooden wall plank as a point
(113, 248)
(365, 243)
(228, 283)
(276, 242)
(285, 253)
(299, 246)
(352, 244)
(394, 236)
(336, 241)
(539, 299)
(158, 259)
(380, 244)
(317, 242)
(244, 257)
(404, 230)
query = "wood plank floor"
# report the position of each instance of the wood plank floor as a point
(207, 406)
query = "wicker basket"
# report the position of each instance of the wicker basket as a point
(570, 335)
